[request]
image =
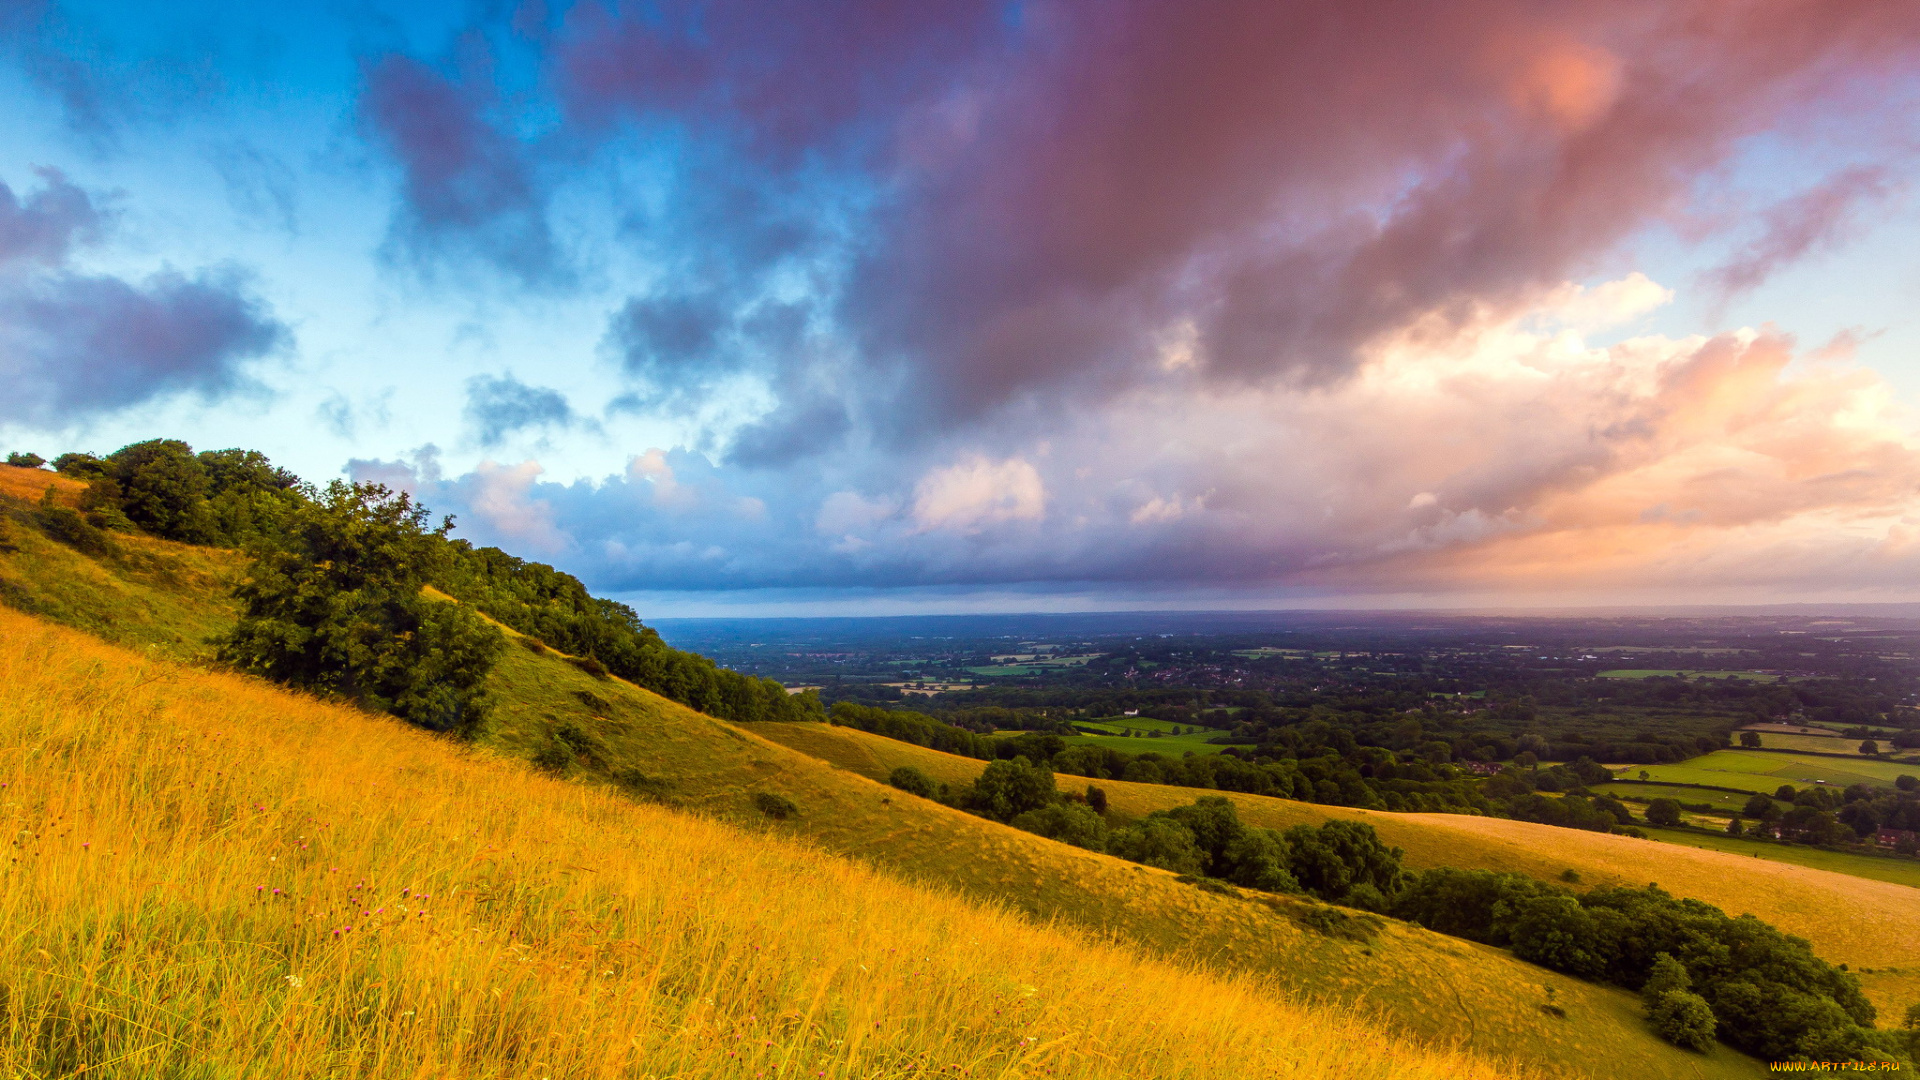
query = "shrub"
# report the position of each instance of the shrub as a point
(1069, 823)
(1330, 860)
(1158, 841)
(80, 466)
(340, 610)
(1684, 1019)
(1556, 932)
(1097, 798)
(912, 781)
(163, 489)
(1009, 788)
(1663, 812)
(533, 645)
(25, 460)
(590, 665)
(777, 807)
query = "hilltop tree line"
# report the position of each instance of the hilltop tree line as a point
(1702, 975)
(335, 598)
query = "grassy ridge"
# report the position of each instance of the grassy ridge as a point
(215, 876)
(1415, 981)
(1418, 981)
(1864, 923)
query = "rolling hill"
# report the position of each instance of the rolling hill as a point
(605, 736)
(211, 876)
(1850, 920)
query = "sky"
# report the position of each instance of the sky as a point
(985, 305)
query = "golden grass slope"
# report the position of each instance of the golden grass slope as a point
(144, 591)
(1867, 925)
(1445, 989)
(210, 877)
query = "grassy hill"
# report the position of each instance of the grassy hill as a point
(610, 738)
(214, 877)
(1850, 920)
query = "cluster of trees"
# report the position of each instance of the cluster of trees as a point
(1821, 815)
(1341, 862)
(334, 597)
(556, 608)
(1703, 975)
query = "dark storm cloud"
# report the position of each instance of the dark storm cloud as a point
(499, 407)
(1057, 185)
(74, 344)
(468, 188)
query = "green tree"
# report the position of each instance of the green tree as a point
(1761, 808)
(1684, 1019)
(912, 781)
(1736, 827)
(1663, 812)
(1870, 748)
(1331, 860)
(1750, 738)
(162, 488)
(339, 609)
(27, 460)
(1158, 841)
(1556, 932)
(1069, 823)
(1663, 975)
(1010, 787)
(79, 466)
(1907, 783)
(1785, 793)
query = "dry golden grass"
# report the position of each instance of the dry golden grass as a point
(32, 483)
(1443, 990)
(1868, 925)
(214, 878)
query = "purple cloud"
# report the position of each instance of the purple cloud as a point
(467, 187)
(74, 344)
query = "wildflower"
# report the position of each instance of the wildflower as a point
(295, 981)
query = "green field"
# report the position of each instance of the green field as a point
(1167, 743)
(1035, 666)
(1818, 744)
(1655, 673)
(1719, 800)
(1752, 771)
(1897, 871)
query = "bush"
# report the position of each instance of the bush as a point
(777, 807)
(80, 466)
(25, 460)
(1556, 932)
(1330, 860)
(1158, 841)
(1663, 812)
(1069, 823)
(912, 781)
(340, 610)
(1097, 798)
(1009, 788)
(1684, 1019)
